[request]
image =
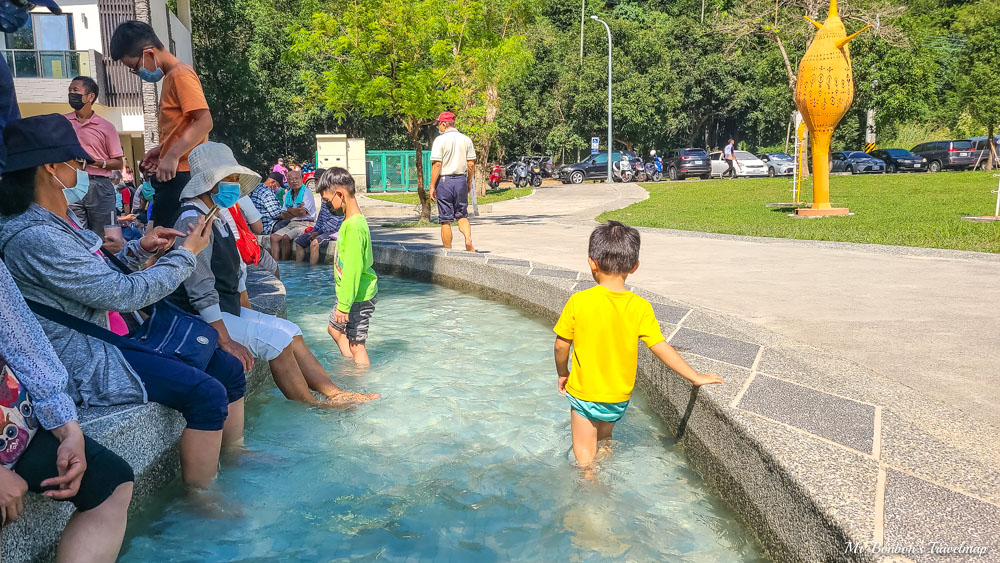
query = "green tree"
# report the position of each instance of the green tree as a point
(979, 84)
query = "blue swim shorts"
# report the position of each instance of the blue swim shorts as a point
(602, 412)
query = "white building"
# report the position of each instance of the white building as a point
(51, 49)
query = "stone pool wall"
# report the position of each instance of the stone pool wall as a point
(146, 436)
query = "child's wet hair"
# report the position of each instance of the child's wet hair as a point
(615, 248)
(336, 177)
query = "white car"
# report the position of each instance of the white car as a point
(747, 165)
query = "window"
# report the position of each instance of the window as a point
(39, 48)
(716, 155)
(601, 158)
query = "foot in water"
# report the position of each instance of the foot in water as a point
(348, 399)
(210, 504)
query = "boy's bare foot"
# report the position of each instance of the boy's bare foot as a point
(468, 245)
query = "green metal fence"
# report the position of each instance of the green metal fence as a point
(396, 171)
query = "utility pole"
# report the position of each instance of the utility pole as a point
(610, 137)
(583, 9)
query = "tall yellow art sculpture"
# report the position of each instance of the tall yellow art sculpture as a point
(823, 94)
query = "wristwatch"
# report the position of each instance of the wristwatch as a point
(104, 164)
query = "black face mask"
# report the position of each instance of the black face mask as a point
(76, 101)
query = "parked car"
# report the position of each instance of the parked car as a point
(900, 160)
(594, 167)
(684, 163)
(778, 163)
(856, 162)
(981, 148)
(747, 165)
(309, 176)
(940, 155)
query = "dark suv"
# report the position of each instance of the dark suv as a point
(594, 167)
(955, 155)
(682, 163)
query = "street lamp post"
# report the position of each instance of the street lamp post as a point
(610, 138)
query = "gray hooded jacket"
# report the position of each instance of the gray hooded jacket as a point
(57, 265)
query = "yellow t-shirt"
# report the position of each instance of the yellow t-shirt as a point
(605, 327)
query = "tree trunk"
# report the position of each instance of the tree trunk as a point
(991, 147)
(481, 170)
(413, 128)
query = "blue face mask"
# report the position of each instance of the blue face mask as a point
(229, 194)
(12, 16)
(147, 191)
(77, 192)
(149, 75)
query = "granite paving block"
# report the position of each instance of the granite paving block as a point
(508, 262)
(552, 273)
(460, 254)
(931, 519)
(715, 347)
(668, 313)
(840, 420)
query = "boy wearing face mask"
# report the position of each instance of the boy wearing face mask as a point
(100, 139)
(184, 118)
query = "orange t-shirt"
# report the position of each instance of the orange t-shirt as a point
(181, 95)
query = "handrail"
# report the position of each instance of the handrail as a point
(44, 63)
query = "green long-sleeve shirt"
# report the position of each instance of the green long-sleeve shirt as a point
(356, 280)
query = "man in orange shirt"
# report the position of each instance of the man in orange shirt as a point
(185, 121)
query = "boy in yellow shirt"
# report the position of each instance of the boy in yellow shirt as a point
(603, 325)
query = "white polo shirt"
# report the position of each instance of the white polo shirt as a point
(454, 151)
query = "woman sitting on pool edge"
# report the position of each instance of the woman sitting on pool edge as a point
(217, 289)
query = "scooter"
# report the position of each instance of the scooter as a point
(621, 171)
(495, 175)
(519, 175)
(535, 173)
(639, 169)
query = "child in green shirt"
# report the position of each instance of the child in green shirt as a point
(357, 284)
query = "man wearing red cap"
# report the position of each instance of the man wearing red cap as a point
(453, 158)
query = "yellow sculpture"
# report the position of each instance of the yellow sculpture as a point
(823, 94)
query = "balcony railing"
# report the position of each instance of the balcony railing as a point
(28, 63)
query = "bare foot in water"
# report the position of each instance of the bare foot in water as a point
(348, 399)
(210, 504)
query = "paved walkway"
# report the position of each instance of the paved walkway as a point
(929, 320)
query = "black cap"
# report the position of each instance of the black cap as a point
(43, 139)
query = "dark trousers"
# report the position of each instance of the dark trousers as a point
(105, 470)
(203, 397)
(97, 209)
(167, 199)
(731, 171)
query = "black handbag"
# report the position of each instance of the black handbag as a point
(168, 330)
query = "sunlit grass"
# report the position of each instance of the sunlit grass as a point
(923, 210)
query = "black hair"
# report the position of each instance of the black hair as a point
(89, 84)
(17, 190)
(615, 248)
(276, 176)
(336, 177)
(131, 38)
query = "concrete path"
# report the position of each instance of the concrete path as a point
(929, 320)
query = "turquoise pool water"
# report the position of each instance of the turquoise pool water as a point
(465, 458)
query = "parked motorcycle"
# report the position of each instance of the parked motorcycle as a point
(495, 175)
(639, 171)
(621, 171)
(519, 174)
(535, 173)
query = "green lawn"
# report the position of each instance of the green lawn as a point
(492, 196)
(900, 209)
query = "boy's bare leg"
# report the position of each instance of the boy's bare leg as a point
(341, 339)
(313, 252)
(604, 430)
(584, 440)
(300, 253)
(466, 228)
(360, 353)
(446, 235)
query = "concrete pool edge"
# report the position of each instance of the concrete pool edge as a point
(832, 472)
(146, 436)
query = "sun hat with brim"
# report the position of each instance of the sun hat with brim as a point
(210, 163)
(43, 139)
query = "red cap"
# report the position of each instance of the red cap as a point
(446, 116)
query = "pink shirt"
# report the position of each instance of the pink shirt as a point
(99, 138)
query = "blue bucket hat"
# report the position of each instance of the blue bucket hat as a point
(43, 139)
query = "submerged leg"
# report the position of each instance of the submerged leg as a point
(584, 439)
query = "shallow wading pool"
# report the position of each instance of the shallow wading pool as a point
(466, 457)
